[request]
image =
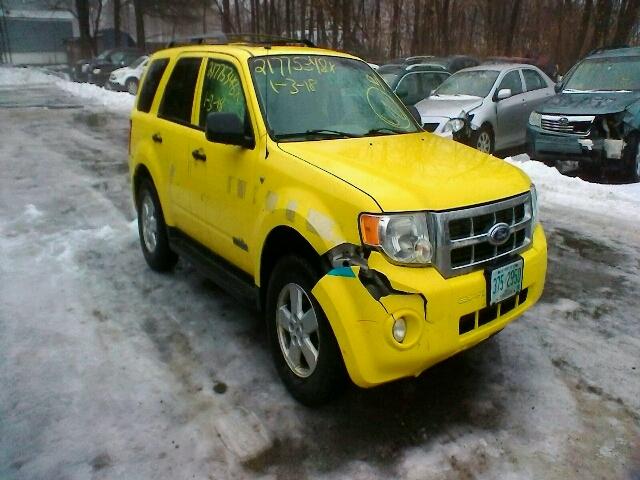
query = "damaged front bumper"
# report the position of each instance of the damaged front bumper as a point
(603, 145)
(434, 309)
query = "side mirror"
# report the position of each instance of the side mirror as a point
(503, 93)
(415, 114)
(558, 87)
(227, 128)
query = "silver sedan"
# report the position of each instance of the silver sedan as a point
(487, 106)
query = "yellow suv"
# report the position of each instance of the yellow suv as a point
(295, 178)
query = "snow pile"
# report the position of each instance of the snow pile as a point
(96, 95)
(572, 192)
(23, 76)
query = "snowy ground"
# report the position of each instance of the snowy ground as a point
(108, 370)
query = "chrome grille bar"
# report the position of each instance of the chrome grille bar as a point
(470, 246)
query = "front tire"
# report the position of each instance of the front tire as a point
(484, 140)
(631, 157)
(152, 229)
(304, 349)
(132, 86)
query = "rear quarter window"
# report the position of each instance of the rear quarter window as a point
(151, 82)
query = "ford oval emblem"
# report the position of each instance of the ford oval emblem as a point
(499, 234)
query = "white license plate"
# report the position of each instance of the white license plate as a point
(505, 282)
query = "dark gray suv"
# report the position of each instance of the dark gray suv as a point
(593, 123)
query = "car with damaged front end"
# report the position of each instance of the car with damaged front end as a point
(295, 178)
(486, 107)
(593, 123)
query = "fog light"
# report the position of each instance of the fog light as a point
(399, 330)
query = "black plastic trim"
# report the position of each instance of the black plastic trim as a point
(229, 277)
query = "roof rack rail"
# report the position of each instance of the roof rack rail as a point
(607, 48)
(218, 38)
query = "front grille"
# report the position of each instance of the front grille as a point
(430, 127)
(572, 124)
(462, 240)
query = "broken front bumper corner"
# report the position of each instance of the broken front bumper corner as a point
(433, 309)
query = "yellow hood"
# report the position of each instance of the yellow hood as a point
(414, 171)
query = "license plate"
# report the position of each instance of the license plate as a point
(504, 282)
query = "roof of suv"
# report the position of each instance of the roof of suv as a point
(615, 52)
(245, 50)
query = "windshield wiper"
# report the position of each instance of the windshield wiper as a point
(320, 131)
(373, 131)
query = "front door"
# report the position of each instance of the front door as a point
(223, 176)
(511, 112)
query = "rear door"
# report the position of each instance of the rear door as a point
(175, 131)
(510, 112)
(538, 88)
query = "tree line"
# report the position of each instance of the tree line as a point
(378, 30)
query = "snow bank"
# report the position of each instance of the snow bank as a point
(118, 101)
(572, 192)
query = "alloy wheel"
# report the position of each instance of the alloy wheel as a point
(297, 329)
(484, 142)
(149, 223)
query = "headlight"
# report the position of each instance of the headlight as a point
(454, 125)
(534, 205)
(403, 238)
(535, 119)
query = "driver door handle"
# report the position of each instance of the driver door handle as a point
(156, 137)
(199, 155)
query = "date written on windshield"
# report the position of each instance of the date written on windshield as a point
(286, 66)
(294, 87)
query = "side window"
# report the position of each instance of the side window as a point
(222, 91)
(512, 81)
(151, 82)
(533, 80)
(178, 94)
(429, 82)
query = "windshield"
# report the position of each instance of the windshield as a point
(606, 74)
(138, 61)
(477, 83)
(313, 97)
(390, 78)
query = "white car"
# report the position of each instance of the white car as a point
(488, 106)
(127, 79)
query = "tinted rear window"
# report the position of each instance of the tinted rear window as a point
(151, 82)
(178, 94)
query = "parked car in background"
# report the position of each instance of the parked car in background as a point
(594, 121)
(412, 83)
(542, 62)
(487, 106)
(127, 79)
(101, 68)
(83, 67)
(451, 63)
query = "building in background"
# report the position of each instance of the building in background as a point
(32, 33)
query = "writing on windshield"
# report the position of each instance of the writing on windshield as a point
(606, 74)
(325, 96)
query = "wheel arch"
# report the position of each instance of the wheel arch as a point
(283, 240)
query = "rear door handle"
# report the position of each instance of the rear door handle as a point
(199, 155)
(156, 137)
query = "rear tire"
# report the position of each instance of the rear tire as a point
(304, 349)
(152, 229)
